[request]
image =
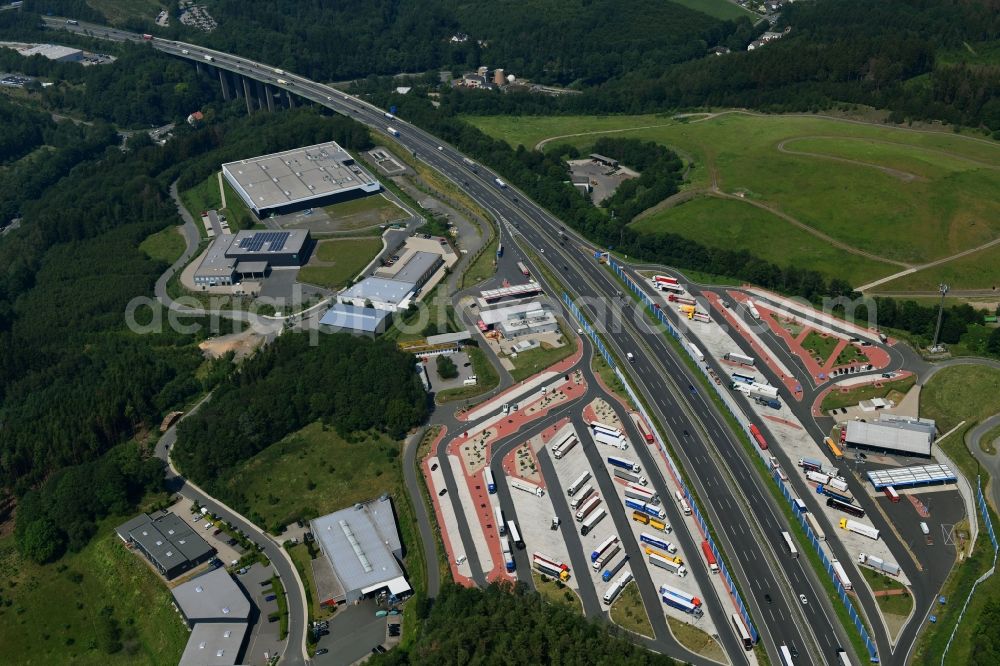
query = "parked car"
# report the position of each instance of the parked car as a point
(442, 492)
(381, 613)
(378, 649)
(321, 651)
(270, 597)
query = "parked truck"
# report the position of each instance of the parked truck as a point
(610, 573)
(660, 525)
(637, 492)
(680, 600)
(685, 507)
(592, 520)
(706, 548)
(618, 442)
(657, 542)
(626, 464)
(878, 564)
(556, 564)
(645, 508)
(527, 487)
(603, 546)
(665, 563)
(830, 492)
(742, 359)
(607, 556)
(582, 496)
(858, 528)
(630, 476)
(841, 573)
(578, 483)
(587, 507)
(617, 587)
(544, 568)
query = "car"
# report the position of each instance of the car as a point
(434, 467)
(767, 598)
(242, 571)
(321, 650)
(803, 599)
(209, 525)
(465, 365)
(217, 532)
(196, 518)
(795, 652)
(329, 99)
(381, 613)
(394, 611)
(378, 649)
(887, 375)
(440, 147)
(270, 597)
(231, 542)
(442, 492)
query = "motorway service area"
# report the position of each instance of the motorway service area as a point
(566, 471)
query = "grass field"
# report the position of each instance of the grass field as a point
(314, 471)
(610, 379)
(696, 640)
(364, 212)
(836, 399)
(52, 614)
(535, 360)
(899, 604)
(722, 9)
(948, 199)
(336, 262)
(629, 613)
(961, 393)
(486, 375)
(557, 593)
(733, 223)
(483, 267)
(821, 346)
(166, 245)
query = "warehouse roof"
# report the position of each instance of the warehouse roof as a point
(447, 338)
(212, 596)
(298, 175)
(215, 643)
(169, 540)
(904, 436)
(491, 317)
(251, 266)
(344, 315)
(416, 266)
(216, 262)
(51, 51)
(267, 243)
(362, 545)
(380, 289)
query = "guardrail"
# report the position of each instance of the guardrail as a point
(674, 471)
(993, 538)
(744, 422)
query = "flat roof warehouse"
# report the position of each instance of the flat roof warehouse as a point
(297, 177)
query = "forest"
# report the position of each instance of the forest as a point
(511, 624)
(74, 381)
(350, 383)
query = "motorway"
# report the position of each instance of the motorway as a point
(730, 491)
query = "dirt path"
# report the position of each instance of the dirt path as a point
(932, 264)
(904, 176)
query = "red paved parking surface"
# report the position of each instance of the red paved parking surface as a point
(435, 500)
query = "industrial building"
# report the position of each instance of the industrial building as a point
(215, 643)
(379, 293)
(911, 477)
(418, 267)
(296, 179)
(212, 597)
(893, 434)
(53, 52)
(363, 547)
(347, 318)
(533, 322)
(167, 542)
(249, 255)
(217, 610)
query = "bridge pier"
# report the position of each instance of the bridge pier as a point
(270, 97)
(291, 102)
(246, 94)
(224, 82)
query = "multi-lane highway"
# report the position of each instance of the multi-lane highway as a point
(732, 494)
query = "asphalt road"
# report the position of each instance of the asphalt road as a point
(296, 641)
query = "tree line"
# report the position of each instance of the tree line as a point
(512, 624)
(348, 382)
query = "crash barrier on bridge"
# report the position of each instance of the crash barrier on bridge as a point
(674, 471)
(741, 418)
(981, 500)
